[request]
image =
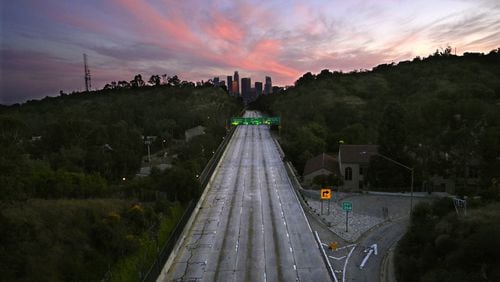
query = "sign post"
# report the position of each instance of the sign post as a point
(325, 194)
(347, 207)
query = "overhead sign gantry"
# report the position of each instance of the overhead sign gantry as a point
(255, 121)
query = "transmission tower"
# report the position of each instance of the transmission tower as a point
(87, 73)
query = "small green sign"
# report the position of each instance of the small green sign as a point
(347, 206)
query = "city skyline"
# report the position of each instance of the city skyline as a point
(43, 42)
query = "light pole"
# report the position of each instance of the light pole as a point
(405, 166)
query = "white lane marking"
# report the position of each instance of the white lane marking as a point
(291, 251)
(347, 246)
(365, 259)
(346, 261)
(325, 257)
(336, 258)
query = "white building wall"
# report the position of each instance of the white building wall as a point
(352, 184)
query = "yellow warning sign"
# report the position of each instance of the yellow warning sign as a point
(326, 194)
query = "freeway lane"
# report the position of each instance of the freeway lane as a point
(251, 226)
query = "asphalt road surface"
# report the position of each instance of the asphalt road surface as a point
(385, 237)
(251, 226)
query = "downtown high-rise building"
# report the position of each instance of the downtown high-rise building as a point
(235, 86)
(246, 88)
(229, 85)
(258, 88)
(268, 86)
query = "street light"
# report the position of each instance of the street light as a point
(405, 166)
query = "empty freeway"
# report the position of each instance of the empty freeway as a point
(250, 225)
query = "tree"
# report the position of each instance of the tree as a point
(123, 84)
(174, 81)
(107, 87)
(154, 80)
(392, 141)
(137, 82)
(305, 79)
(325, 74)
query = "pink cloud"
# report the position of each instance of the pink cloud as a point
(174, 28)
(224, 29)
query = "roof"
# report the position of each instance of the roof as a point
(321, 161)
(359, 154)
(195, 131)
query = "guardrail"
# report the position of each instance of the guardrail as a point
(167, 248)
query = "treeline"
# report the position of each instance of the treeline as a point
(156, 80)
(71, 206)
(439, 115)
(440, 245)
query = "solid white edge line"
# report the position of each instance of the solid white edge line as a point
(345, 264)
(325, 256)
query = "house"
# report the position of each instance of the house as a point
(320, 165)
(193, 132)
(353, 164)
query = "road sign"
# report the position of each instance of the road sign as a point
(347, 206)
(326, 194)
(255, 120)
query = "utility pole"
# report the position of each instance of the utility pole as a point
(88, 85)
(408, 168)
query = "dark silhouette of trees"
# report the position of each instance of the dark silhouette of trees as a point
(174, 81)
(305, 79)
(137, 82)
(155, 80)
(442, 246)
(123, 84)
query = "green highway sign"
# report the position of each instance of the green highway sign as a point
(255, 120)
(347, 206)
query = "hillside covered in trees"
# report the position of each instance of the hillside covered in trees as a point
(71, 205)
(443, 245)
(440, 115)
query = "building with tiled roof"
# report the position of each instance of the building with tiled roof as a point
(322, 164)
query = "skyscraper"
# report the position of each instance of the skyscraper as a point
(258, 88)
(246, 87)
(268, 86)
(234, 88)
(230, 85)
(236, 79)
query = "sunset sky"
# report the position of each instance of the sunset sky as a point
(41, 42)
